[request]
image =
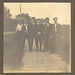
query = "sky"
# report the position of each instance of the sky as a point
(43, 10)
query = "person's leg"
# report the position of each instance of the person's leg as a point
(36, 42)
(29, 40)
(18, 38)
(53, 44)
(50, 43)
(47, 41)
(31, 43)
(59, 43)
(40, 41)
(23, 42)
(45, 44)
(23, 39)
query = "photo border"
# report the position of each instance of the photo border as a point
(72, 37)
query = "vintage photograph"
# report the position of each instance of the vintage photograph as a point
(37, 37)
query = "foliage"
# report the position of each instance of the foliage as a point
(23, 16)
(10, 25)
(7, 13)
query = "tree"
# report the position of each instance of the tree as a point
(9, 23)
(7, 13)
(23, 16)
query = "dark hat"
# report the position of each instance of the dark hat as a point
(55, 18)
(33, 17)
(38, 19)
(47, 18)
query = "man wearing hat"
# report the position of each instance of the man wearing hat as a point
(39, 34)
(31, 27)
(47, 34)
(26, 33)
(56, 34)
(30, 34)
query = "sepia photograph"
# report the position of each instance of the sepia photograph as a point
(37, 37)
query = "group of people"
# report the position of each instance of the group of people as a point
(42, 31)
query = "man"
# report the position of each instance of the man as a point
(56, 34)
(18, 30)
(26, 34)
(39, 34)
(30, 35)
(32, 31)
(23, 35)
(47, 34)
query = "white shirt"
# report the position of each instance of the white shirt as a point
(47, 24)
(33, 24)
(19, 27)
(26, 27)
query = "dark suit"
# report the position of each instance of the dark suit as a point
(34, 29)
(47, 34)
(30, 35)
(38, 35)
(56, 36)
(23, 36)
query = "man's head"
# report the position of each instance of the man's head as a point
(47, 20)
(38, 21)
(33, 19)
(55, 19)
(42, 21)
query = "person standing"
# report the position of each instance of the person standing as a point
(31, 32)
(56, 35)
(18, 30)
(39, 34)
(23, 35)
(29, 35)
(47, 34)
(26, 28)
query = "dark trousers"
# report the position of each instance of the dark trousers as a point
(46, 43)
(29, 40)
(31, 43)
(19, 38)
(23, 38)
(56, 42)
(38, 39)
